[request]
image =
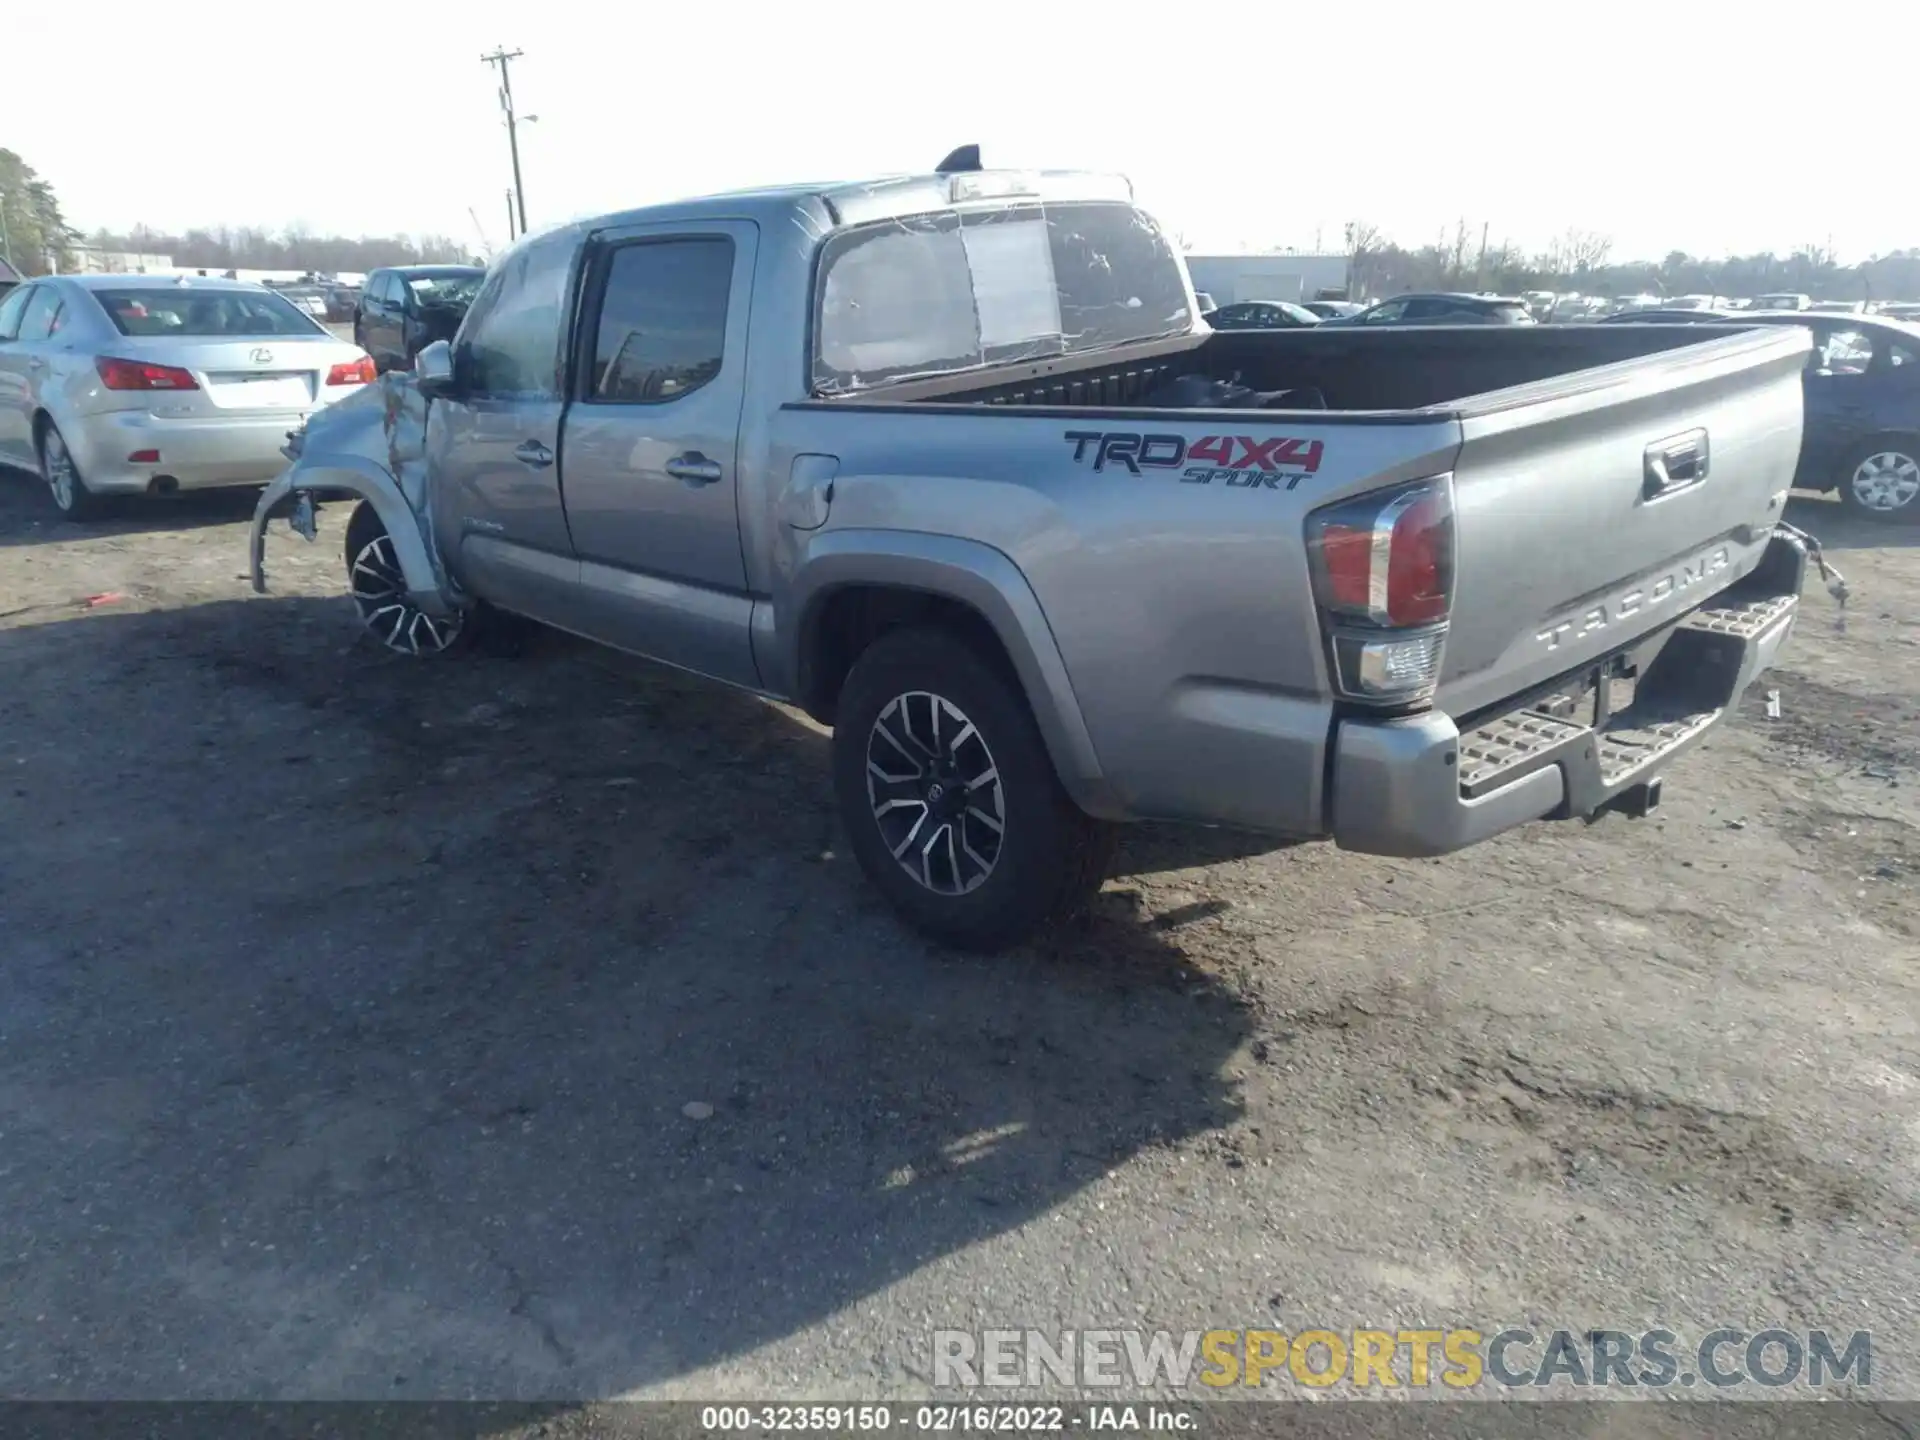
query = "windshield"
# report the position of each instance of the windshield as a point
(948, 292)
(186, 311)
(444, 289)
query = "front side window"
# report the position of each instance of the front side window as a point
(1387, 313)
(510, 343)
(954, 291)
(185, 311)
(1845, 352)
(662, 327)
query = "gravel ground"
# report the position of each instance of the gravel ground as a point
(351, 1010)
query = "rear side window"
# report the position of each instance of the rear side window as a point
(11, 309)
(951, 291)
(185, 311)
(662, 326)
(42, 315)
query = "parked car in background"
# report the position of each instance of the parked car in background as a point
(343, 302)
(1908, 310)
(1694, 302)
(307, 299)
(1861, 432)
(402, 311)
(1262, 315)
(1837, 307)
(131, 384)
(1203, 302)
(1576, 309)
(1441, 309)
(1332, 309)
(1783, 301)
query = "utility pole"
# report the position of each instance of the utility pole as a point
(511, 232)
(502, 58)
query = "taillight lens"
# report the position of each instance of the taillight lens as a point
(139, 375)
(353, 372)
(1383, 563)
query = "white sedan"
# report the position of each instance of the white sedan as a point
(138, 384)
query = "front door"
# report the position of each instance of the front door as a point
(493, 449)
(649, 457)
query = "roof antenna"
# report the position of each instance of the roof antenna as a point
(967, 157)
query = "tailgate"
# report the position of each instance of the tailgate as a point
(1595, 508)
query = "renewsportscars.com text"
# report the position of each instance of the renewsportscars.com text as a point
(1457, 1358)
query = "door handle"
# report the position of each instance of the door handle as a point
(532, 452)
(1676, 463)
(694, 468)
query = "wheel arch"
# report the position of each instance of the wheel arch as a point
(854, 586)
(352, 477)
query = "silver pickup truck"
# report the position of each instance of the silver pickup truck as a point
(952, 463)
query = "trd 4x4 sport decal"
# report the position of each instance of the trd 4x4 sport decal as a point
(1242, 461)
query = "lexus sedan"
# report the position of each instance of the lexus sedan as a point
(139, 384)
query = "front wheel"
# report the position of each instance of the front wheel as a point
(1881, 479)
(379, 589)
(950, 800)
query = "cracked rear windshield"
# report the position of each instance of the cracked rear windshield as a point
(952, 291)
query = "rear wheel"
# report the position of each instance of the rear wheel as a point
(950, 800)
(379, 589)
(65, 484)
(1881, 479)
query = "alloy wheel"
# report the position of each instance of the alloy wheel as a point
(380, 593)
(935, 793)
(1886, 481)
(61, 477)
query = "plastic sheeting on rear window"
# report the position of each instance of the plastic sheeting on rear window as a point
(953, 291)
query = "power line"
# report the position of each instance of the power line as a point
(501, 58)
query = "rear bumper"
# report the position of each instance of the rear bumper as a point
(1418, 785)
(194, 453)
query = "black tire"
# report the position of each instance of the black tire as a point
(390, 618)
(68, 492)
(1048, 857)
(1895, 461)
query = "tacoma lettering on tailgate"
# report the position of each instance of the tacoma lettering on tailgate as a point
(1638, 597)
(1240, 461)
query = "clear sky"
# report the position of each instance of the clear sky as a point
(1689, 124)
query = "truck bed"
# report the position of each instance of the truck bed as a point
(1410, 368)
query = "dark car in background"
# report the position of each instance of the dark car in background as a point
(1332, 309)
(405, 309)
(1861, 435)
(1262, 315)
(1442, 309)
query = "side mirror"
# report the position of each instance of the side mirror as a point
(433, 370)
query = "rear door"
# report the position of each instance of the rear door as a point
(493, 448)
(1592, 509)
(16, 409)
(650, 453)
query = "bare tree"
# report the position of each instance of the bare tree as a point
(1578, 251)
(1364, 244)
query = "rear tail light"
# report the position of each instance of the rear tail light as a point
(1383, 578)
(139, 375)
(353, 372)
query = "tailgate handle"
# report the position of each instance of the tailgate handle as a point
(1677, 463)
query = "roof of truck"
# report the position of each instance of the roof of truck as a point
(852, 202)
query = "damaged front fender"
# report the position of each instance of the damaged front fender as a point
(371, 447)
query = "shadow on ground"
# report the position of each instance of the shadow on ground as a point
(27, 516)
(500, 1027)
